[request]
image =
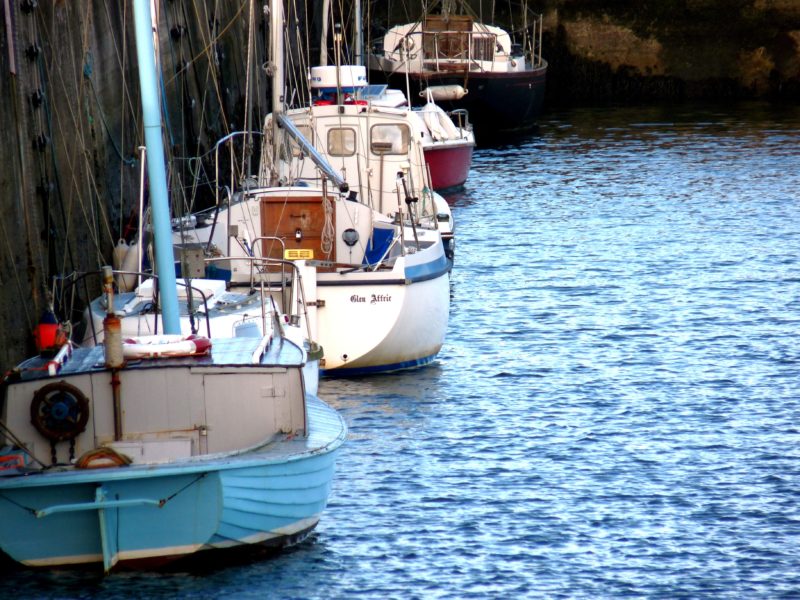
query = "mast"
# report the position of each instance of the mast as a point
(323, 47)
(358, 36)
(280, 122)
(156, 171)
(278, 76)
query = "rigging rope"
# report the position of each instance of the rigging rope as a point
(87, 73)
(328, 231)
(212, 41)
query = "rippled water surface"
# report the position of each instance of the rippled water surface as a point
(616, 410)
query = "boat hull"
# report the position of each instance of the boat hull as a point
(498, 103)
(399, 323)
(145, 514)
(449, 164)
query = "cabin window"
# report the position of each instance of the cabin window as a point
(389, 139)
(341, 142)
(307, 133)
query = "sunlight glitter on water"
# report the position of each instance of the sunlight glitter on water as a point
(615, 409)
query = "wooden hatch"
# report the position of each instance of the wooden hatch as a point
(446, 36)
(298, 221)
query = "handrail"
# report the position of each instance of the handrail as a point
(223, 140)
(262, 238)
(460, 116)
(301, 300)
(530, 34)
(96, 505)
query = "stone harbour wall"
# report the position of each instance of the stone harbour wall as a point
(666, 50)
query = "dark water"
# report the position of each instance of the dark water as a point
(616, 412)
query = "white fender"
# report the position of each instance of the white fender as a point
(444, 92)
(130, 262)
(160, 346)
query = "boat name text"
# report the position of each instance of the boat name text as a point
(373, 298)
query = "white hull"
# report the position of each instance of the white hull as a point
(381, 326)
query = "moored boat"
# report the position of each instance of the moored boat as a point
(467, 64)
(207, 307)
(448, 146)
(447, 138)
(376, 297)
(157, 458)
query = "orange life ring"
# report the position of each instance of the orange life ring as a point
(100, 458)
(162, 346)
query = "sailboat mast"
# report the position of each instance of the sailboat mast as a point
(358, 40)
(278, 75)
(156, 171)
(276, 43)
(323, 46)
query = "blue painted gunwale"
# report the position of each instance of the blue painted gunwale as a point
(376, 369)
(426, 271)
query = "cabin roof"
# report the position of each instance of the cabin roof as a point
(225, 352)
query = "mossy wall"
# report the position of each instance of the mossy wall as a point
(657, 50)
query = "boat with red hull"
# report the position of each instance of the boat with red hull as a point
(447, 143)
(449, 164)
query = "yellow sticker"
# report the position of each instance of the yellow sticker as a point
(298, 254)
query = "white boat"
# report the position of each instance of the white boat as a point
(376, 296)
(150, 449)
(210, 308)
(379, 150)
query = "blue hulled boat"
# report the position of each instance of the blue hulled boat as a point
(163, 457)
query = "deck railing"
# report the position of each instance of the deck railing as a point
(468, 50)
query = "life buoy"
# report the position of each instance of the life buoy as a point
(100, 458)
(59, 411)
(159, 346)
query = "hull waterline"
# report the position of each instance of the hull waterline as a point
(498, 103)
